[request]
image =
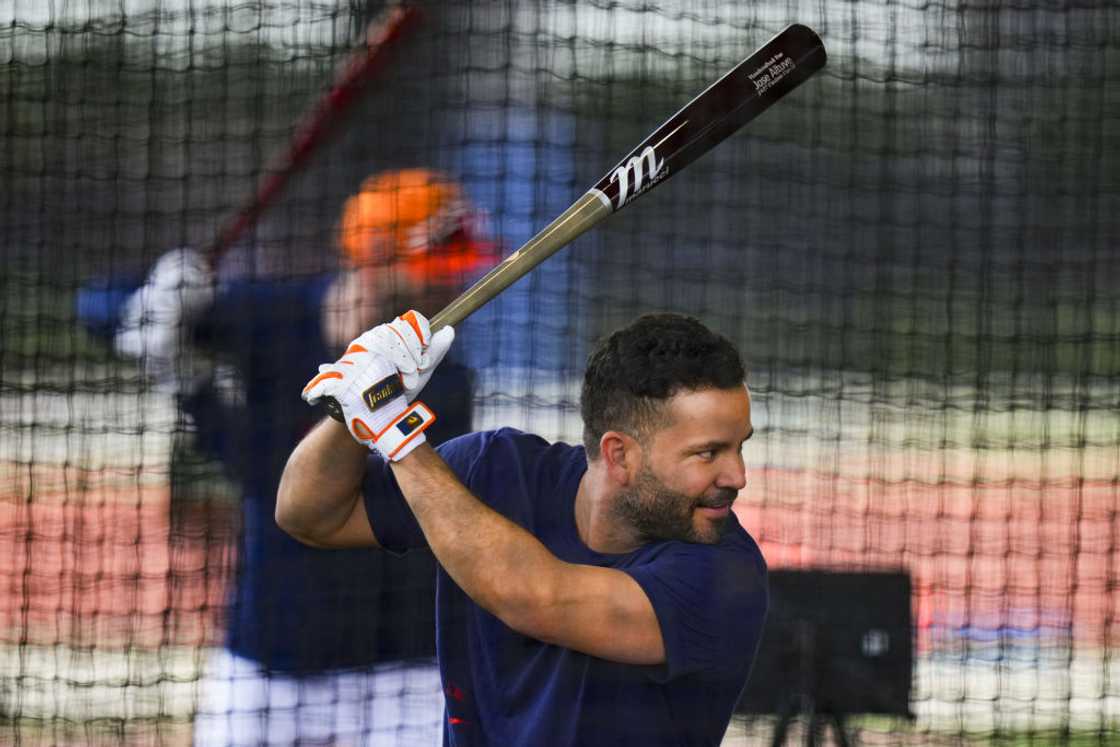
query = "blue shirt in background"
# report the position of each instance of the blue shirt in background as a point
(295, 608)
(504, 688)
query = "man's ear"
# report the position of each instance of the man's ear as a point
(622, 456)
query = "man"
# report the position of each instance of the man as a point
(323, 647)
(594, 595)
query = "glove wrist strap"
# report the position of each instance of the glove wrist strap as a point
(404, 433)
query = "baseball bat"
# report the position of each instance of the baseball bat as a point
(751, 87)
(747, 90)
(382, 36)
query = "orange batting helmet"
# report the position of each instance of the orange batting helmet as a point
(415, 218)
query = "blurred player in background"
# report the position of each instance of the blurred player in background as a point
(602, 594)
(323, 646)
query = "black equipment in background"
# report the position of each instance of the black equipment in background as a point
(835, 644)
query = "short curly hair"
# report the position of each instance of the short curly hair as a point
(636, 369)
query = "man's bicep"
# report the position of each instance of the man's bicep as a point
(605, 613)
(356, 531)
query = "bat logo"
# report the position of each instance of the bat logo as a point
(634, 168)
(637, 173)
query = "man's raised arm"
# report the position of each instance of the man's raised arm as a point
(512, 575)
(500, 565)
(319, 499)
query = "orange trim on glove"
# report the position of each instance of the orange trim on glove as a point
(410, 317)
(321, 377)
(361, 430)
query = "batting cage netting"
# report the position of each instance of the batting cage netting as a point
(916, 251)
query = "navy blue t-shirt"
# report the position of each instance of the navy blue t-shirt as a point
(506, 688)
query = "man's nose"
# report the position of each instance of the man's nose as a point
(734, 474)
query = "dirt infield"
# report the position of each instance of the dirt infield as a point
(1015, 557)
(89, 560)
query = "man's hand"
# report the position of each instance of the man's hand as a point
(155, 320)
(381, 372)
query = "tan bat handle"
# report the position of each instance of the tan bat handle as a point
(578, 218)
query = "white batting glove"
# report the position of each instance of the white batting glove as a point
(155, 320)
(371, 386)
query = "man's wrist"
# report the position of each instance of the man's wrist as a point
(419, 466)
(342, 439)
(424, 454)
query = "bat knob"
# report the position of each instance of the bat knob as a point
(334, 409)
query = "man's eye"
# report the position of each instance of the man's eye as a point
(707, 455)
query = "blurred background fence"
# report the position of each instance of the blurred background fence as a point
(916, 250)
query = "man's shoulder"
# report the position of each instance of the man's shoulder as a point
(736, 542)
(507, 454)
(734, 562)
(505, 443)
(738, 558)
(739, 541)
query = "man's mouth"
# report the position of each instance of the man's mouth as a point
(719, 502)
(717, 508)
(715, 512)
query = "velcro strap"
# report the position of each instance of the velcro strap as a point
(406, 432)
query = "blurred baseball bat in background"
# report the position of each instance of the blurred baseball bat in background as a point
(381, 38)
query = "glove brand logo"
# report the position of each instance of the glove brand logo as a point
(383, 391)
(409, 423)
(634, 167)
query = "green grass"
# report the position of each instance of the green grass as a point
(40, 334)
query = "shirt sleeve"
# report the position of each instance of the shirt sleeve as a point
(275, 320)
(390, 517)
(710, 602)
(99, 304)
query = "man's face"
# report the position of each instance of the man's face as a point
(692, 468)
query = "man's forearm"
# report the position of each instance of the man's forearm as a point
(500, 565)
(321, 482)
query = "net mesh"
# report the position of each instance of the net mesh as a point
(915, 250)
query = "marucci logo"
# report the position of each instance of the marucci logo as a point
(634, 176)
(641, 171)
(634, 168)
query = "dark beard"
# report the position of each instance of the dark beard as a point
(657, 513)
